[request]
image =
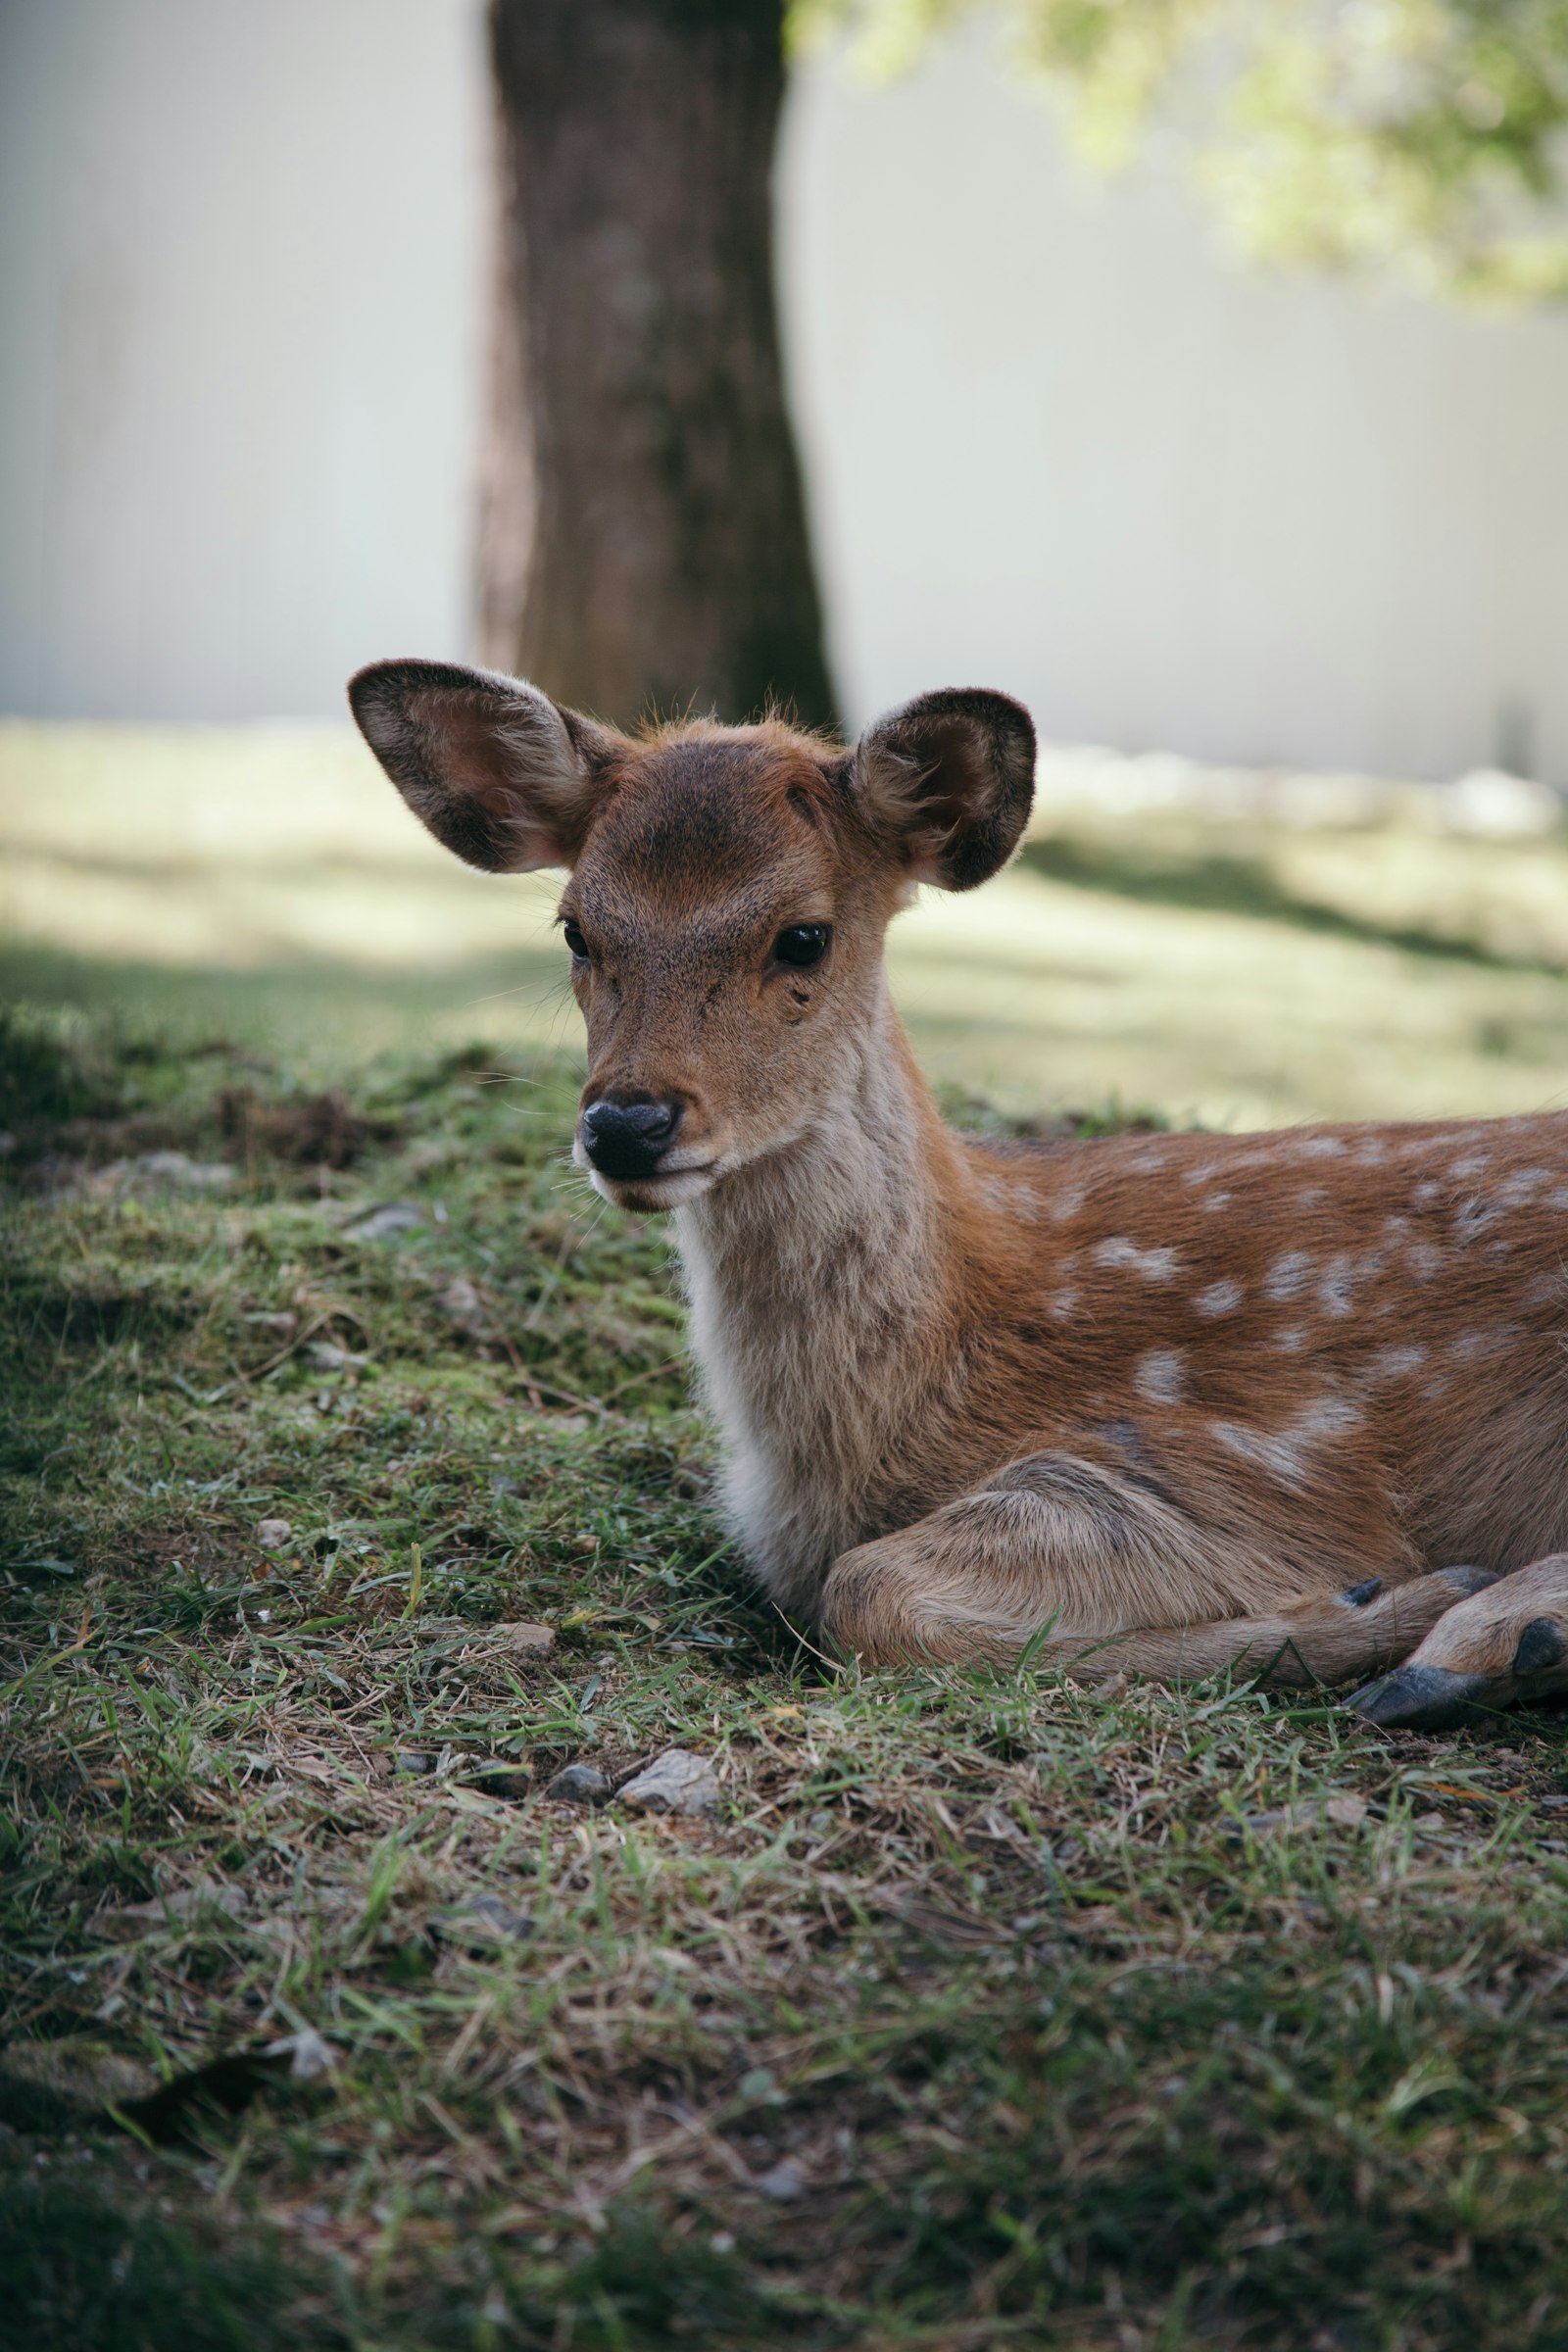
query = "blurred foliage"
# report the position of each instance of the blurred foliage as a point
(1420, 140)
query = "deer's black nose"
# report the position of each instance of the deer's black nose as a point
(628, 1139)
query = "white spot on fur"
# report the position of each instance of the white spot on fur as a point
(1336, 1288)
(1006, 1197)
(1067, 1204)
(1063, 1304)
(1371, 1150)
(1158, 1376)
(1558, 1197)
(1279, 1455)
(1471, 1165)
(1218, 1200)
(1328, 1416)
(1322, 1147)
(1426, 1193)
(1397, 1363)
(1155, 1265)
(1151, 1160)
(1285, 1452)
(1471, 1346)
(1475, 1216)
(1425, 1259)
(1310, 1194)
(1287, 1277)
(1220, 1299)
(1203, 1173)
(1291, 1341)
(1522, 1186)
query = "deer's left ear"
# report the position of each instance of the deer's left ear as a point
(948, 780)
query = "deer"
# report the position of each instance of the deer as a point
(1291, 1404)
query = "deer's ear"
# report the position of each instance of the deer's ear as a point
(503, 776)
(948, 779)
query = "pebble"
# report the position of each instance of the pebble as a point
(304, 2056)
(676, 1782)
(466, 1307)
(386, 1222)
(273, 1533)
(484, 1921)
(783, 2183)
(520, 1634)
(579, 1784)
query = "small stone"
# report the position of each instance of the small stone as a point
(273, 1533)
(675, 1782)
(465, 1308)
(579, 1784)
(520, 1634)
(178, 1167)
(304, 2056)
(484, 1922)
(1346, 1812)
(783, 2181)
(180, 1907)
(327, 1356)
(409, 1759)
(385, 1223)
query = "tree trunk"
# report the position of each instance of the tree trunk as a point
(641, 452)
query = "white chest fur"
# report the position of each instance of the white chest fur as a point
(810, 1279)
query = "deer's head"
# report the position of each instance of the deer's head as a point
(728, 894)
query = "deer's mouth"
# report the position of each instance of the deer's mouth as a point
(665, 1188)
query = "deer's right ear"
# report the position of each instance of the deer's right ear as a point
(503, 776)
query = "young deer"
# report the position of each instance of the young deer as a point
(1173, 1403)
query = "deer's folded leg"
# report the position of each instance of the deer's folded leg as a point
(1117, 1580)
(1508, 1643)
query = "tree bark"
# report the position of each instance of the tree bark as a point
(641, 451)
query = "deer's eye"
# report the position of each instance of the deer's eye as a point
(803, 944)
(576, 943)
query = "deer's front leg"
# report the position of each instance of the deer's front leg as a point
(1054, 1541)
(1508, 1643)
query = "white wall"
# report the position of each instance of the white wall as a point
(240, 339)
(1054, 443)
(1058, 446)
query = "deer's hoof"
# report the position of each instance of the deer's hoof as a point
(1422, 1699)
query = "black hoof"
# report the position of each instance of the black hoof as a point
(1421, 1698)
(1540, 1647)
(1468, 1581)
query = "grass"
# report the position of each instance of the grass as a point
(984, 2011)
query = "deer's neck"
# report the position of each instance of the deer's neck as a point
(820, 1284)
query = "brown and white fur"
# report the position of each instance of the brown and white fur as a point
(1172, 1403)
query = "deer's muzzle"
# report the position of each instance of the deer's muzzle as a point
(625, 1138)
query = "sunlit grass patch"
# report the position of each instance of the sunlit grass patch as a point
(267, 881)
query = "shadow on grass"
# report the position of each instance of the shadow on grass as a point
(1215, 882)
(84, 2272)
